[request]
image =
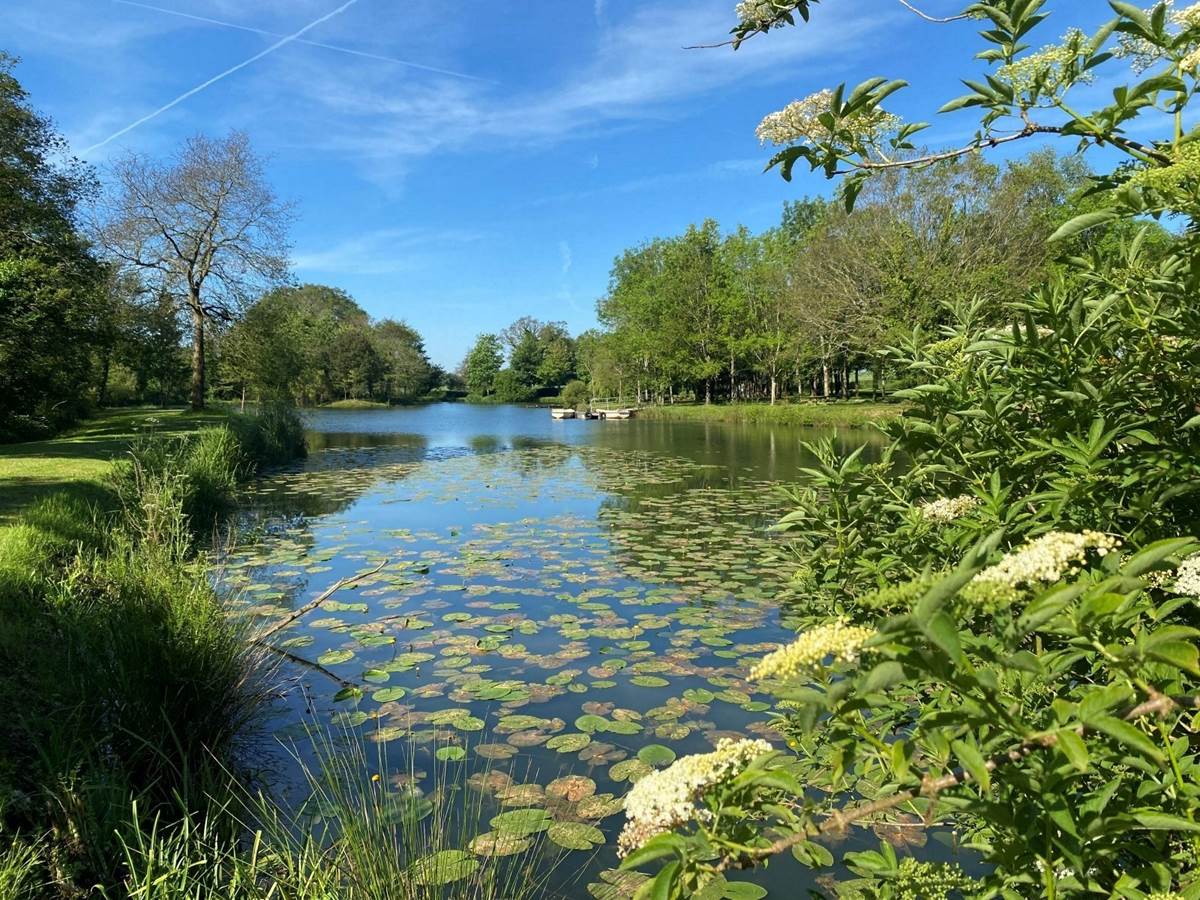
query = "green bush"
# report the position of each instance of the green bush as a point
(576, 395)
(274, 436)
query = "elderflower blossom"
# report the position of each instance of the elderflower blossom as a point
(1043, 560)
(799, 122)
(1144, 54)
(666, 799)
(1183, 172)
(1046, 70)
(762, 14)
(807, 653)
(947, 509)
(1187, 577)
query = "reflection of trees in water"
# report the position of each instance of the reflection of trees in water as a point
(760, 451)
(340, 468)
(485, 443)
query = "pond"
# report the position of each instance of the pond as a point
(558, 606)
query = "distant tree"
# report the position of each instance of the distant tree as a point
(511, 389)
(407, 371)
(511, 336)
(525, 363)
(558, 355)
(482, 365)
(206, 224)
(148, 345)
(358, 369)
(265, 352)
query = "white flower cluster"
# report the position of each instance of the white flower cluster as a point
(947, 509)
(808, 652)
(1046, 559)
(1145, 54)
(1046, 69)
(762, 14)
(799, 122)
(1187, 577)
(666, 799)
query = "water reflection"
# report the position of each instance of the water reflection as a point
(535, 574)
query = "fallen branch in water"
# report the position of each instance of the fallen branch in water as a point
(292, 657)
(309, 607)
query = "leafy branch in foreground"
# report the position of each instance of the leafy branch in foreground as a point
(847, 132)
(1081, 686)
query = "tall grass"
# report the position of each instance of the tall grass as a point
(357, 838)
(125, 683)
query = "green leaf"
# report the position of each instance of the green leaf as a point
(1160, 821)
(972, 760)
(667, 844)
(1073, 748)
(884, 675)
(812, 854)
(1082, 223)
(1179, 654)
(1124, 733)
(942, 631)
(660, 887)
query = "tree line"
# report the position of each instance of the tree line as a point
(167, 282)
(527, 360)
(809, 307)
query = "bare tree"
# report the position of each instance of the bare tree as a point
(206, 224)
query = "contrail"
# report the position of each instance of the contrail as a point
(198, 88)
(362, 53)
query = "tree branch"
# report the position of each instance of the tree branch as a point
(838, 820)
(939, 20)
(310, 606)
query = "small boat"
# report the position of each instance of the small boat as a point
(562, 413)
(623, 412)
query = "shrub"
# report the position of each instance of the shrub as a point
(576, 395)
(275, 435)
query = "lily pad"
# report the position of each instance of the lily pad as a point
(443, 867)
(656, 755)
(630, 770)
(522, 822)
(572, 788)
(335, 657)
(649, 681)
(591, 724)
(451, 754)
(388, 694)
(499, 843)
(568, 743)
(575, 835)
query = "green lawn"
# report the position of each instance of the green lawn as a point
(832, 413)
(79, 459)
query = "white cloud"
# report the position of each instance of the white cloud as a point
(383, 251)
(636, 72)
(564, 252)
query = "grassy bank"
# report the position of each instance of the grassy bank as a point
(355, 404)
(126, 685)
(79, 461)
(836, 413)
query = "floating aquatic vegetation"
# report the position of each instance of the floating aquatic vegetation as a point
(582, 612)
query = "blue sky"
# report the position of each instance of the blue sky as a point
(460, 165)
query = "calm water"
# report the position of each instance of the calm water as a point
(554, 599)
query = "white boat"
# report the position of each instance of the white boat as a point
(562, 413)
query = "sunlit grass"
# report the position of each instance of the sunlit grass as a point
(833, 413)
